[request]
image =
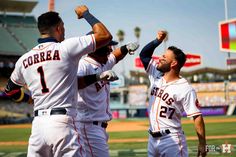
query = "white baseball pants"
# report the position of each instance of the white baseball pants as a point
(55, 136)
(95, 139)
(171, 145)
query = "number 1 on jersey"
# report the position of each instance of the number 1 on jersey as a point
(42, 80)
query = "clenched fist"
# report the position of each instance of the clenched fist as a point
(79, 10)
(107, 76)
(161, 35)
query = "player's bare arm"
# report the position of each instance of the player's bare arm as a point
(101, 34)
(148, 50)
(121, 52)
(200, 129)
(87, 80)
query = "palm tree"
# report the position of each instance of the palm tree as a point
(120, 34)
(137, 32)
(165, 40)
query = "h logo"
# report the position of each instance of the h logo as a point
(226, 148)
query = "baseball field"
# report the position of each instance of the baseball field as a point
(128, 137)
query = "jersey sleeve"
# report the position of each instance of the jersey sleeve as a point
(152, 71)
(191, 104)
(110, 62)
(78, 46)
(81, 68)
(16, 76)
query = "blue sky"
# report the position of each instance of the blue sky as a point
(192, 24)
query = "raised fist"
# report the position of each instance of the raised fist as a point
(79, 10)
(108, 75)
(161, 35)
(132, 47)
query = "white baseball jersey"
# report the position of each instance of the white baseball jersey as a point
(50, 69)
(93, 101)
(169, 100)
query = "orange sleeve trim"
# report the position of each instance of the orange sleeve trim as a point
(193, 114)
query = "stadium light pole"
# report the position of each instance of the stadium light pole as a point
(229, 76)
(51, 5)
(226, 18)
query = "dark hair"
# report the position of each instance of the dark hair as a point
(48, 20)
(179, 56)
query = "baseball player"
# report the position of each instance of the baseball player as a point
(170, 96)
(49, 70)
(93, 101)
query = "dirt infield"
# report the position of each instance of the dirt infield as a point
(119, 126)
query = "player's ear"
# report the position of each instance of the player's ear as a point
(57, 28)
(174, 63)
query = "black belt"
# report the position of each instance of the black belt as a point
(103, 124)
(158, 134)
(54, 111)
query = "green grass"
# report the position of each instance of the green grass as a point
(128, 134)
(212, 129)
(9, 149)
(133, 148)
(12, 134)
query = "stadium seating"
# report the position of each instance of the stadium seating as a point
(18, 20)
(8, 44)
(216, 94)
(26, 35)
(18, 34)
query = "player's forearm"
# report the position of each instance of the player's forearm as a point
(147, 52)
(120, 53)
(101, 33)
(84, 81)
(200, 129)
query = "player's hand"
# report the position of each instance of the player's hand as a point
(161, 35)
(107, 76)
(131, 47)
(79, 10)
(30, 101)
(202, 150)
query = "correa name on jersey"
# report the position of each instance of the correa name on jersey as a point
(164, 96)
(41, 57)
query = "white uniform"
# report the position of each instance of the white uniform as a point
(49, 70)
(93, 107)
(166, 104)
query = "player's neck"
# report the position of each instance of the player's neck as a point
(171, 76)
(48, 35)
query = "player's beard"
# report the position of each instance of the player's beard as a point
(163, 67)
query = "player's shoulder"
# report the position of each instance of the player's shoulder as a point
(77, 39)
(184, 84)
(25, 55)
(90, 61)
